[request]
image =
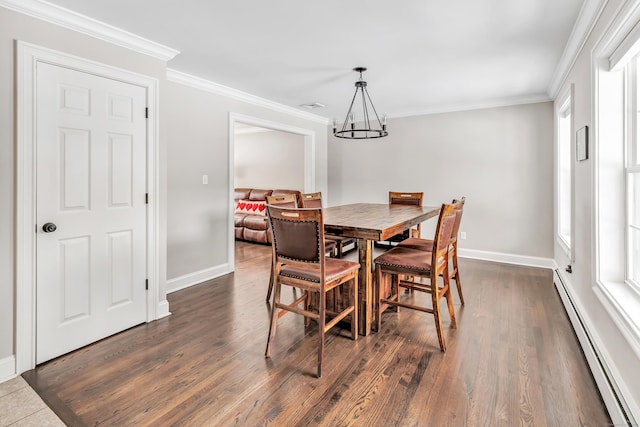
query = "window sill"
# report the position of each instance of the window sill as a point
(622, 302)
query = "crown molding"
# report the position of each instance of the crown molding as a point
(495, 103)
(209, 86)
(589, 14)
(66, 18)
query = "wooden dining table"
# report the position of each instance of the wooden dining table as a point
(370, 222)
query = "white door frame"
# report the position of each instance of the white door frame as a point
(28, 55)
(309, 164)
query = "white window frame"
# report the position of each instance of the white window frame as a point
(564, 108)
(632, 167)
(618, 45)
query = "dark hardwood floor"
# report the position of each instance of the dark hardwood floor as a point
(514, 360)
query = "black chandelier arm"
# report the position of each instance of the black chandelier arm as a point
(365, 110)
(346, 119)
(374, 109)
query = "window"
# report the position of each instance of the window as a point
(616, 156)
(632, 174)
(564, 135)
(614, 162)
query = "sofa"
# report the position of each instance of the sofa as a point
(250, 215)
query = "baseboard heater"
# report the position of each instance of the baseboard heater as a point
(614, 401)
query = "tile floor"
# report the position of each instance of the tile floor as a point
(20, 406)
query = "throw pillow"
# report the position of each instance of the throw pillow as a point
(251, 207)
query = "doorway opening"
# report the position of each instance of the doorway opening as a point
(247, 133)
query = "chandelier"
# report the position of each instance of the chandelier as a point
(349, 129)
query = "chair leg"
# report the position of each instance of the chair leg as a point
(353, 296)
(435, 299)
(274, 319)
(409, 278)
(321, 323)
(377, 294)
(457, 276)
(449, 296)
(307, 304)
(271, 276)
(395, 291)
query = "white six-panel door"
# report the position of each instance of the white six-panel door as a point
(91, 180)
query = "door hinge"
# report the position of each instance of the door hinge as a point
(146, 112)
(146, 284)
(146, 198)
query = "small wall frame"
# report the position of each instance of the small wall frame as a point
(582, 143)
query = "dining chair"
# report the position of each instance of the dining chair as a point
(400, 198)
(314, 200)
(298, 242)
(427, 245)
(283, 200)
(424, 268)
(291, 201)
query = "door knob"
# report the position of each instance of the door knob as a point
(49, 227)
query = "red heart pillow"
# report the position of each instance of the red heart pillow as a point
(250, 207)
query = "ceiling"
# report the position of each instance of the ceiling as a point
(422, 55)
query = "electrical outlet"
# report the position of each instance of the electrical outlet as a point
(205, 179)
(463, 235)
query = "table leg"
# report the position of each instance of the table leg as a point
(365, 286)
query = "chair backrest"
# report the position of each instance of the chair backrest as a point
(397, 198)
(312, 200)
(459, 204)
(297, 234)
(280, 192)
(444, 230)
(283, 200)
(413, 199)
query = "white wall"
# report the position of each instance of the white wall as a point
(196, 124)
(14, 26)
(269, 159)
(501, 159)
(194, 221)
(620, 357)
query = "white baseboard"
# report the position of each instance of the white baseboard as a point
(7, 368)
(528, 261)
(197, 277)
(590, 347)
(163, 309)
